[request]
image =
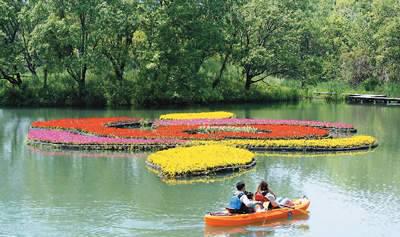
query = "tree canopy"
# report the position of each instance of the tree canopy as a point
(130, 51)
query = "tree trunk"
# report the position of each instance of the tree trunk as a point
(81, 92)
(83, 66)
(82, 84)
(248, 84)
(120, 75)
(80, 78)
(119, 72)
(221, 71)
(248, 78)
(45, 76)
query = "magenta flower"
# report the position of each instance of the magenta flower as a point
(59, 136)
(239, 121)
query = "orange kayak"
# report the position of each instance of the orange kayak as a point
(227, 219)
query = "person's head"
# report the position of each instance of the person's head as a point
(263, 187)
(240, 186)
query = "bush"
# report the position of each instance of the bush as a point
(119, 93)
(24, 95)
(392, 89)
(371, 84)
(145, 88)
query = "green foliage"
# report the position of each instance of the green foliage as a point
(391, 89)
(268, 40)
(11, 60)
(371, 84)
(118, 53)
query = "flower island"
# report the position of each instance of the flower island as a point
(187, 133)
(200, 160)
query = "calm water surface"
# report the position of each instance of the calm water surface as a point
(55, 193)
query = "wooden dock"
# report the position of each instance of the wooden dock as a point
(371, 99)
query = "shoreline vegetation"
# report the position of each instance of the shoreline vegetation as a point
(281, 92)
(155, 53)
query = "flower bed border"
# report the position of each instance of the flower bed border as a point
(158, 147)
(309, 149)
(207, 172)
(105, 147)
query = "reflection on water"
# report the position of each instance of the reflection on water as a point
(207, 179)
(315, 154)
(58, 193)
(296, 224)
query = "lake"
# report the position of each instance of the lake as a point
(72, 193)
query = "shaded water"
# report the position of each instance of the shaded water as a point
(56, 193)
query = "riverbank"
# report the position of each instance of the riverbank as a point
(62, 93)
(336, 91)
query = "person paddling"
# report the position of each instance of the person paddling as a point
(240, 203)
(264, 194)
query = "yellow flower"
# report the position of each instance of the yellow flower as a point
(187, 160)
(203, 115)
(328, 143)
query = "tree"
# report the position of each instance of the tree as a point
(267, 40)
(119, 22)
(184, 36)
(387, 25)
(68, 37)
(229, 21)
(11, 60)
(35, 52)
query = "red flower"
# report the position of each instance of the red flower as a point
(104, 127)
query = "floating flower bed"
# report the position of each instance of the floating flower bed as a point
(199, 146)
(200, 160)
(333, 144)
(71, 140)
(109, 127)
(66, 139)
(57, 136)
(202, 115)
(124, 133)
